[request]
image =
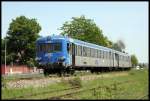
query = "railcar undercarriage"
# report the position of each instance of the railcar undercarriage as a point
(61, 70)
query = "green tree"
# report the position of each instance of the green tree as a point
(22, 34)
(84, 29)
(109, 43)
(2, 51)
(134, 60)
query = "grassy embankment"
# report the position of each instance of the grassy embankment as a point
(134, 85)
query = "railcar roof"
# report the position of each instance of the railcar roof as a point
(79, 42)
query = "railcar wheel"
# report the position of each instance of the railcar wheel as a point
(72, 72)
(46, 72)
(92, 71)
(59, 74)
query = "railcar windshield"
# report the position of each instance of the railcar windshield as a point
(49, 47)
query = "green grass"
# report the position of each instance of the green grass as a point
(15, 93)
(136, 87)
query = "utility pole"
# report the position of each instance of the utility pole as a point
(5, 51)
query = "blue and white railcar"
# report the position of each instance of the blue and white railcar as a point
(57, 53)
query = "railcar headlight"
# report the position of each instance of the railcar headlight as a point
(61, 58)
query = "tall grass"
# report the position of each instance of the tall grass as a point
(134, 86)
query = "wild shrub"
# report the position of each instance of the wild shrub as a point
(75, 82)
(132, 73)
(3, 82)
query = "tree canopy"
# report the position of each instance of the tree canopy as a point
(86, 30)
(2, 51)
(23, 32)
(21, 37)
(134, 60)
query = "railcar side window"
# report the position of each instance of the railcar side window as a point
(84, 51)
(106, 55)
(76, 50)
(93, 52)
(48, 48)
(88, 51)
(103, 54)
(109, 55)
(97, 53)
(43, 47)
(79, 50)
(100, 53)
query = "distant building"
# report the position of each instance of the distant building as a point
(17, 69)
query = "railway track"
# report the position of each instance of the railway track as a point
(42, 82)
(40, 76)
(68, 91)
(83, 90)
(50, 91)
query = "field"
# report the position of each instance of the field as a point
(131, 84)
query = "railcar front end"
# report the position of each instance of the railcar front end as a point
(52, 54)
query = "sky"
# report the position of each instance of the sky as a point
(126, 21)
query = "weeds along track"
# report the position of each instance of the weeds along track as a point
(41, 76)
(107, 87)
(45, 92)
(44, 81)
(70, 91)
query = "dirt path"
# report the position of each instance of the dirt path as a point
(46, 81)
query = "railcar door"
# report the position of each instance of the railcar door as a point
(73, 54)
(117, 59)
